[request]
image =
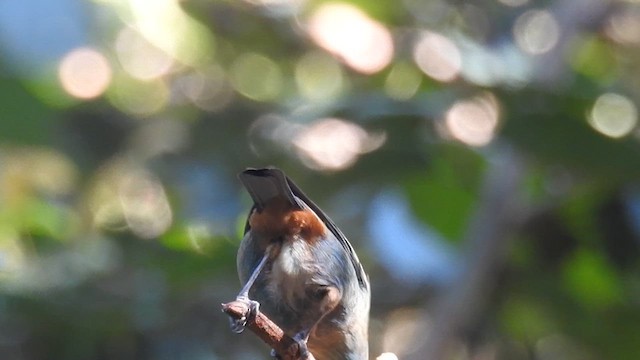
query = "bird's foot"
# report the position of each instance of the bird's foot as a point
(274, 354)
(238, 325)
(301, 339)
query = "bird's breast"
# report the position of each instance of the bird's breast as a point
(292, 269)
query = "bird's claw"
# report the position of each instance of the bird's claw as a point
(274, 354)
(301, 339)
(238, 325)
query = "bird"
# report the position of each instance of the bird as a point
(299, 269)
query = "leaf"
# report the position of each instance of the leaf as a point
(444, 196)
(24, 119)
(591, 280)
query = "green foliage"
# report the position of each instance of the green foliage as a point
(444, 196)
(592, 281)
(25, 120)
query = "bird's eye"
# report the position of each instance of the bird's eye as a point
(319, 293)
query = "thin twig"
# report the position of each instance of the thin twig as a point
(270, 333)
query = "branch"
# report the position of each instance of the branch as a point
(270, 333)
(500, 210)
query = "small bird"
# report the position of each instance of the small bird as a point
(301, 271)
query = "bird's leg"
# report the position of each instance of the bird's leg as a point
(238, 325)
(328, 298)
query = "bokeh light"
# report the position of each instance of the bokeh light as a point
(168, 27)
(12, 254)
(491, 65)
(140, 58)
(199, 236)
(403, 81)
(278, 3)
(335, 144)
(33, 169)
(144, 205)
(613, 115)
(387, 356)
(208, 88)
(536, 31)
(280, 7)
(159, 137)
(256, 77)
(623, 26)
(473, 121)
(559, 346)
(128, 197)
(513, 3)
(31, 177)
(346, 31)
(270, 129)
(401, 331)
(140, 98)
(85, 73)
(119, 216)
(35, 181)
(319, 76)
(437, 56)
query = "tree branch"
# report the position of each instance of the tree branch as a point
(499, 211)
(270, 333)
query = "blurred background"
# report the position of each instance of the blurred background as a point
(482, 157)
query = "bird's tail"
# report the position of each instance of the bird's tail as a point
(267, 184)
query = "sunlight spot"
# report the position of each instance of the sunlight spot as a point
(140, 58)
(474, 121)
(437, 56)
(335, 144)
(84, 73)
(536, 31)
(346, 31)
(613, 115)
